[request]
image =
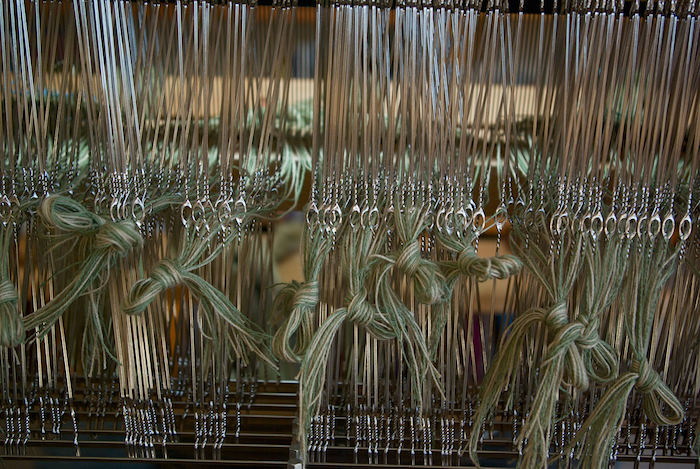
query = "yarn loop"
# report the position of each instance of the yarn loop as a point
(168, 273)
(120, 236)
(648, 380)
(429, 283)
(99, 242)
(360, 311)
(483, 269)
(11, 331)
(297, 299)
(410, 261)
(8, 293)
(305, 294)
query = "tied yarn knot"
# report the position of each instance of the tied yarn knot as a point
(575, 350)
(387, 319)
(586, 354)
(99, 242)
(641, 299)
(588, 337)
(424, 273)
(603, 423)
(8, 293)
(409, 261)
(656, 393)
(305, 294)
(245, 336)
(296, 302)
(11, 329)
(165, 275)
(168, 273)
(468, 262)
(120, 236)
(299, 298)
(648, 380)
(428, 281)
(556, 317)
(359, 310)
(483, 269)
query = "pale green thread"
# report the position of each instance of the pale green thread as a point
(429, 283)
(605, 267)
(295, 303)
(244, 336)
(641, 297)
(429, 288)
(469, 264)
(11, 329)
(563, 353)
(94, 345)
(359, 310)
(99, 243)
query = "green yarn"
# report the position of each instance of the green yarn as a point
(373, 303)
(11, 329)
(99, 242)
(429, 288)
(243, 336)
(94, 341)
(464, 261)
(469, 264)
(429, 284)
(641, 294)
(605, 267)
(359, 309)
(296, 302)
(575, 350)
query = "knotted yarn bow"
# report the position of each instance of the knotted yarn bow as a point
(245, 336)
(429, 283)
(469, 264)
(563, 354)
(11, 328)
(641, 296)
(429, 288)
(382, 321)
(296, 302)
(99, 243)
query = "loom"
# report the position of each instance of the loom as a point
(496, 207)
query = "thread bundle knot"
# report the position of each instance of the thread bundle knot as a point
(303, 294)
(11, 330)
(360, 311)
(8, 293)
(428, 280)
(121, 236)
(166, 274)
(587, 355)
